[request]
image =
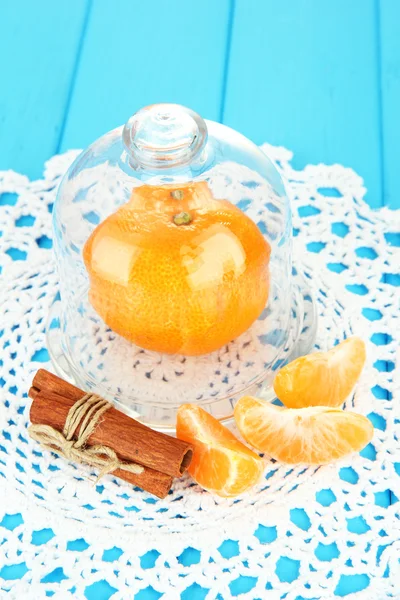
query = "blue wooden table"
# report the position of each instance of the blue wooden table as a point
(321, 77)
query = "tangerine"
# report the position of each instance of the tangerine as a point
(321, 378)
(221, 463)
(314, 435)
(175, 270)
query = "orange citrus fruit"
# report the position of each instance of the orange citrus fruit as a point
(321, 378)
(177, 271)
(313, 435)
(221, 463)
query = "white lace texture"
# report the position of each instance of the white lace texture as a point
(352, 266)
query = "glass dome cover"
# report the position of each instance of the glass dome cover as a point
(172, 237)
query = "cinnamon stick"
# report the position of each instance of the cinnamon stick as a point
(132, 440)
(51, 409)
(162, 456)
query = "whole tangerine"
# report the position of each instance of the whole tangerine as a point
(177, 271)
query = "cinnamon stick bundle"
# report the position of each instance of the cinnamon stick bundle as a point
(162, 456)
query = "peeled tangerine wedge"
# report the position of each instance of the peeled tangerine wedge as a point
(321, 378)
(313, 436)
(221, 463)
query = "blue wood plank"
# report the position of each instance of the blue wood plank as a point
(38, 45)
(305, 75)
(389, 40)
(138, 53)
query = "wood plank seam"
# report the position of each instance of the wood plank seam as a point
(85, 24)
(378, 41)
(231, 20)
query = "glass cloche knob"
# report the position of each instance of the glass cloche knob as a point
(162, 136)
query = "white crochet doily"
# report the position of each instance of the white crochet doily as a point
(303, 533)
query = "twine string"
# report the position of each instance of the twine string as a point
(86, 412)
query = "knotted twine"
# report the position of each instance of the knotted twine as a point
(87, 411)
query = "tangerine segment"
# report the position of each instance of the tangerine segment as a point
(321, 378)
(314, 435)
(178, 271)
(221, 463)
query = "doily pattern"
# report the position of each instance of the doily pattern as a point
(303, 533)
